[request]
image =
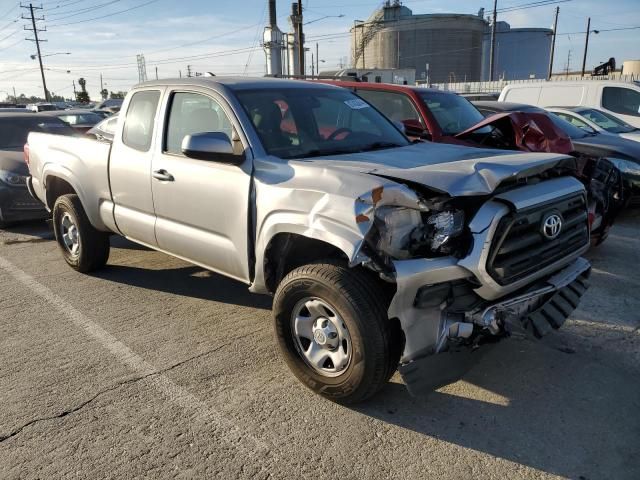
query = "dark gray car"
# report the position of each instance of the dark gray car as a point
(15, 202)
(622, 152)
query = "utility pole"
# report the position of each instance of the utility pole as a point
(553, 44)
(101, 85)
(15, 99)
(189, 71)
(180, 73)
(492, 53)
(317, 60)
(35, 31)
(75, 93)
(586, 46)
(313, 71)
(156, 73)
(568, 62)
(300, 39)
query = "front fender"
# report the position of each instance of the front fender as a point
(317, 225)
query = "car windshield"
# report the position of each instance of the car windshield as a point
(571, 130)
(15, 130)
(87, 118)
(453, 113)
(607, 121)
(310, 122)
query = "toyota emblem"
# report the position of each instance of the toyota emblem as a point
(552, 226)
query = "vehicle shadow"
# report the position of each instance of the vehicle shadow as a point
(187, 281)
(531, 404)
(40, 230)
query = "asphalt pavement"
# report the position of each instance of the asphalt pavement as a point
(153, 368)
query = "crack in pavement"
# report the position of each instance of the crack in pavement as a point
(129, 381)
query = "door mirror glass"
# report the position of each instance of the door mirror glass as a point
(214, 146)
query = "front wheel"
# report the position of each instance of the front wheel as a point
(83, 247)
(332, 328)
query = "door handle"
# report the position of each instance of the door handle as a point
(163, 176)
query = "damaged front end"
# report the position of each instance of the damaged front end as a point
(469, 271)
(536, 132)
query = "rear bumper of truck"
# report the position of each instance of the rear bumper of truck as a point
(535, 312)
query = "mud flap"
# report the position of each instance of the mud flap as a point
(424, 375)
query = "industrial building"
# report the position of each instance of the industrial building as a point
(520, 53)
(440, 47)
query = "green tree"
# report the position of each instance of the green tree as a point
(118, 94)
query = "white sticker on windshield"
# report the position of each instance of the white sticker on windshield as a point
(356, 103)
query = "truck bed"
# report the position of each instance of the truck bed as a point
(80, 161)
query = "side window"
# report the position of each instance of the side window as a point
(138, 124)
(193, 113)
(395, 106)
(621, 100)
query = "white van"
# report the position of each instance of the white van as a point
(619, 98)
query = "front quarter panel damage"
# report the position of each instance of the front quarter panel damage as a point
(300, 198)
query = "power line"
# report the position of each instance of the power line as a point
(104, 16)
(82, 10)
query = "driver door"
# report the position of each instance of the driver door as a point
(201, 206)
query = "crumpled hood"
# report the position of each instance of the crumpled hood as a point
(452, 169)
(13, 161)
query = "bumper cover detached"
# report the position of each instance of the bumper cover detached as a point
(535, 312)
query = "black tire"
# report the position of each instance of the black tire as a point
(93, 249)
(362, 304)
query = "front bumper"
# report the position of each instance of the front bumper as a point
(535, 312)
(16, 205)
(447, 306)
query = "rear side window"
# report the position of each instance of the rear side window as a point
(395, 106)
(624, 101)
(138, 127)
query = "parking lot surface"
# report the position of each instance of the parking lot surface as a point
(154, 368)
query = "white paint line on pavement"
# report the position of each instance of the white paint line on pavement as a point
(223, 427)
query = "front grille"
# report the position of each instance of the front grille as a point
(519, 247)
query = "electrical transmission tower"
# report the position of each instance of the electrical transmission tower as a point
(142, 68)
(37, 40)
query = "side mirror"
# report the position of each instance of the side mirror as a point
(413, 128)
(214, 146)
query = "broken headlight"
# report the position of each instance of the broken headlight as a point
(406, 233)
(444, 227)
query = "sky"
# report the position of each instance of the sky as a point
(223, 36)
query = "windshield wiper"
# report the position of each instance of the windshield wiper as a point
(319, 152)
(380, 146)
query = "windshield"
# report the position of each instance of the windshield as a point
(607, 121)
(15, 130)
(453, 113)
(571, 130)
(309, 122)
(81, 118)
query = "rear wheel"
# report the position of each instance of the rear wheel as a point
(332, 328)
(83, 247)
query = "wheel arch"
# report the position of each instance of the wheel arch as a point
(286, 251)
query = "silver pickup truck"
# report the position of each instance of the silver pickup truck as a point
(381, 254)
